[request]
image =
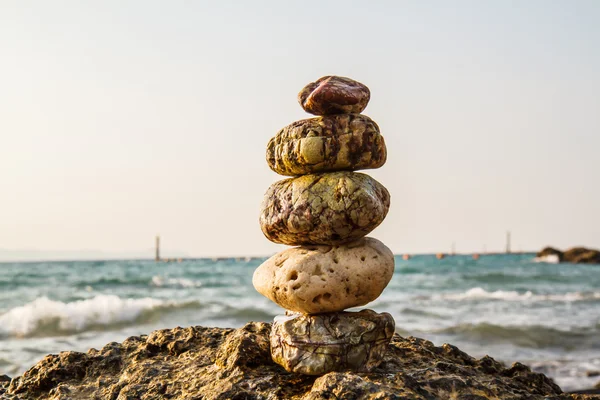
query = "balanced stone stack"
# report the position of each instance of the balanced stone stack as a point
(326, 210)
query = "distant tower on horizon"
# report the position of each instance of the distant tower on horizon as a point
(508, 242)
(157, 249)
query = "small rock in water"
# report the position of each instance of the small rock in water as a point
(334, 95)
(330, 143)
(343, 341)
(327, 208)
(319, 279)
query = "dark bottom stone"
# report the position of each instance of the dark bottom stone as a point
(322, 343)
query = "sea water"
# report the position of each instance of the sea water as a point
(506, 306)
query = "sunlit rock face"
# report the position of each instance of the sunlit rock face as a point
(216, 363)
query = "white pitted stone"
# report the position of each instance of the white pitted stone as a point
(318, 279)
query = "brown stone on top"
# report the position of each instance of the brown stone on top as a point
(329, 143)
(334, 95)
(327, 208)
(340, 341)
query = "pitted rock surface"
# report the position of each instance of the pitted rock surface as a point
(216, 363)
(334, 95)
(327, 208)
(340, 341)
(331, 143)
(317, 279)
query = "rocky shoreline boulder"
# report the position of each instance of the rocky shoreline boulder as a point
(215, 363)
(575, 255)
(582, 255)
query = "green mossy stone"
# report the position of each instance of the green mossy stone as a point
(327, 208)
(332, 143)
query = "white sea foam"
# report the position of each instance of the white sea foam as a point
(550, 258)
(160, 281)
(480, 293)
(49, 316)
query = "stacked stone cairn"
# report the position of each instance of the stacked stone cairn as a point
(326, 210)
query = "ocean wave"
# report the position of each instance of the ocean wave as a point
(505, 278)
(550, 259)
(535, 336)
(478, 293)
(420, 313)
(156, 281)
(45, 317)
(247, 314)
(111, 282)
(160, 281)
(406, 270)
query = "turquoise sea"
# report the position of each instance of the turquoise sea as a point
(507, 306)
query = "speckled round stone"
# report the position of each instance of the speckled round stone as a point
(327, 208)
(319, 279)
(342, 341)
(329, 143)
(334, 95)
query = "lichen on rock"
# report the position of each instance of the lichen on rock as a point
(331, 143)
(327, 208)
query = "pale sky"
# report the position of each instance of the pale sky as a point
(120, 120)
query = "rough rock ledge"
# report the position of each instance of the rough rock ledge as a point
(575, 255)
(215, 363)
